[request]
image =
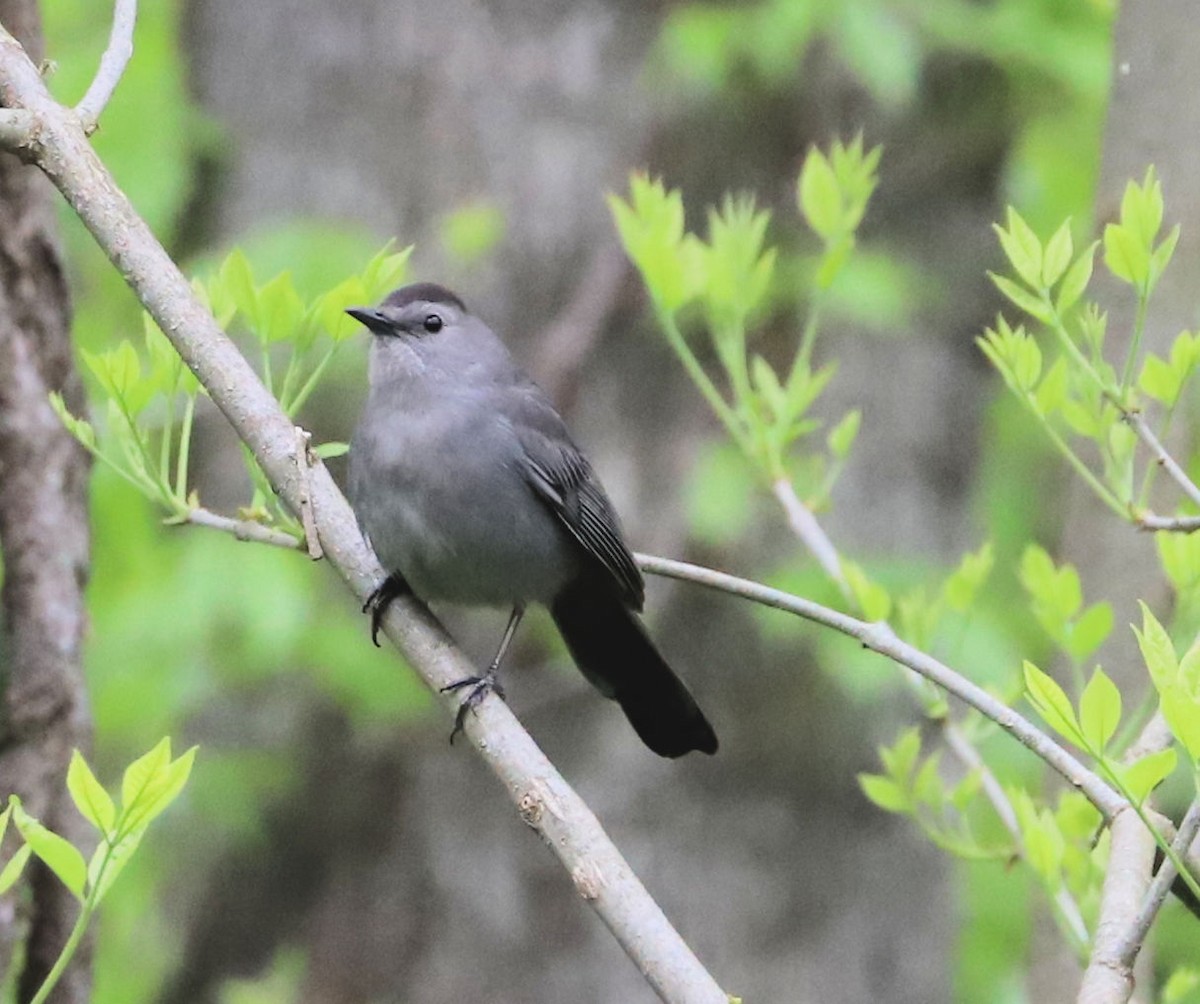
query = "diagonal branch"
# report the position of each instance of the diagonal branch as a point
(545, 801)
(112, 66)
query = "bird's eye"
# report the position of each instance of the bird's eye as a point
(433, 324)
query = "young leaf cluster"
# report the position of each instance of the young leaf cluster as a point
(149, 395)
(727, 282)
(1084, 400)
(914, 787)
(1056, 599)
(149, 785)
(1093, 723)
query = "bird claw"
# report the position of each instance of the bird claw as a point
(378, 602)
(480, 686)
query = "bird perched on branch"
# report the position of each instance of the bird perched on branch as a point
(469, 487)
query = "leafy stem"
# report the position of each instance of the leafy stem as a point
(69, 949)
(724, 412)
(1135, 343)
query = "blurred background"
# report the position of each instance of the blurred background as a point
(332, 847)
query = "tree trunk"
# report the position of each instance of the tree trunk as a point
(44, 542)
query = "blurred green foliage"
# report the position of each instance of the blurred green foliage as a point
(1052, 56)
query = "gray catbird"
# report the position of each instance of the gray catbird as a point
(468, 486)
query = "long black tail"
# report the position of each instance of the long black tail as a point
(613, 651)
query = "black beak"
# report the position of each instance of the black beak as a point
(372, 318)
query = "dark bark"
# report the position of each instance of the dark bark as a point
(44, 541)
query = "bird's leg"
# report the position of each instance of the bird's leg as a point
(378, 602)
(480, 685)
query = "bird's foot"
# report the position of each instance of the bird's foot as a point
(378, 602)
(479, 686)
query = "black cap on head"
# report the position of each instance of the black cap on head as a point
(430, 292)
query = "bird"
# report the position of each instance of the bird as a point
(467, 484)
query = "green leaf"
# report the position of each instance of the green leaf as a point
(77, 427)
(1157, 650)
(1126, 258)
(1189, 669)
(1051, 393)
(280, 310)
(235, 284)
(963, 793)
(964, 584)
(901, 757)
(1142, 208)
(1144, 775)
(1075, 283)
(650, 225)
(141, 775)
(1031, 303)
(1099, 711)
(1181, 710)
(884, 792)
(92, 801)
(57, 854)
(1022, 248)
(769, 388)
(14, 867)
(1159, 380)
(384, 272)
(842, 436)
(819, 197)
(1161, 258)
(1055, 593)
(157, 784)
(1026, 363)
(329, 309)
(327, 451)
(1052, 703)
(738, 269)
(927, 784)
(1057, 255)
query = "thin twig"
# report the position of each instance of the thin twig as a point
(880, 638)
(242, 529)
(969, 756)
(545, 801)
(112, 65)
(1138, 424)
(1129, 944)
(804, 524)
(1167, 524)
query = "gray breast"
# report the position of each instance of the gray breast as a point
(445, 502)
